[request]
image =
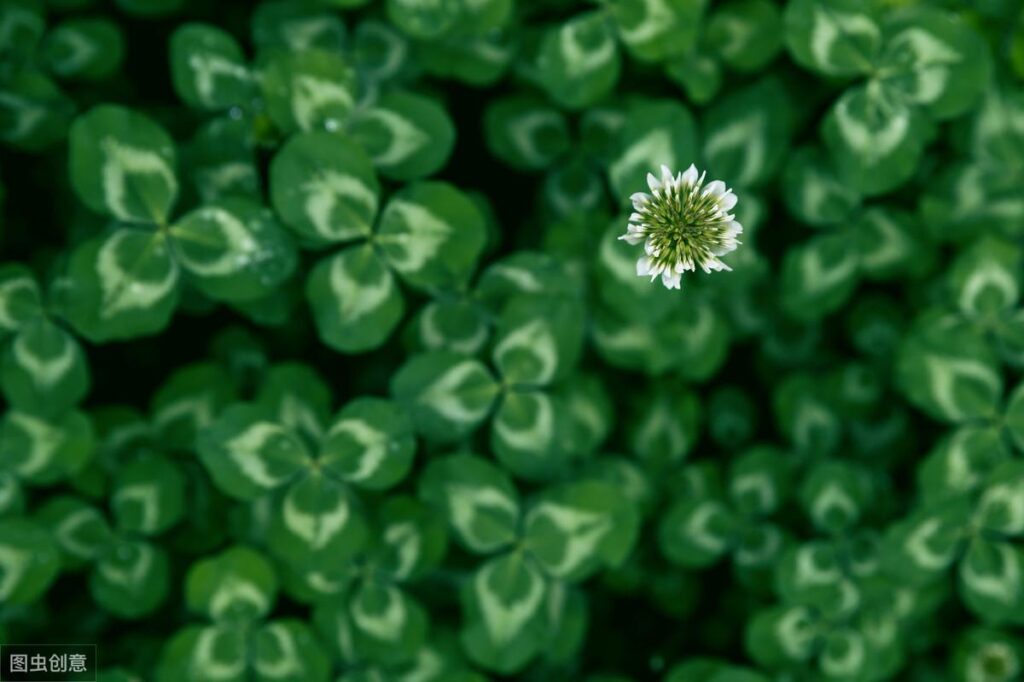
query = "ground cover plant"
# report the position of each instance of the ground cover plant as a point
(456, 340)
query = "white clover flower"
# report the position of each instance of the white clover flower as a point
(683, 225)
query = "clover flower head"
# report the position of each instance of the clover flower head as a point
(684, 224)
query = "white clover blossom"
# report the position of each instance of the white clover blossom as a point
(683, 225)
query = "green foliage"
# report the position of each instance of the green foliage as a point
(322, 358)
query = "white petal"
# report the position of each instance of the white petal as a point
(734, 229)
(666, 176)
(690, 176)
(670, 279)
(639, 200)
(636, 218)
(727, 202)
(643, 266)
(715, 265)
(653, 183)
(632, 239)
(715, 188)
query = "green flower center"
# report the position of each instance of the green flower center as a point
(684, 225)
